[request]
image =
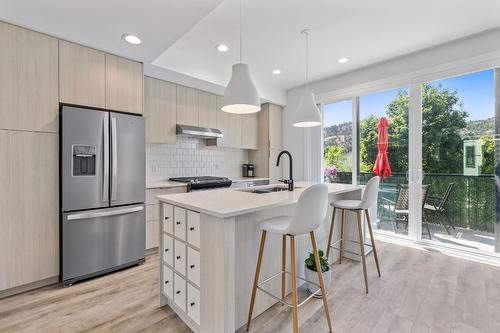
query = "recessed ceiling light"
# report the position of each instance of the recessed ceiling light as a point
(132, 39)
(343, 60)
(222, 48)
(276, 71)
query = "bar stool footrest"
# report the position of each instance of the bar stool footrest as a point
(279, 298)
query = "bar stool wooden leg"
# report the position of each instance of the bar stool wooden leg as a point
(256, 278)
(330, 235)
(373, 240)
(294, 286)
(283, 268)
(342, 236)
(321, 282)
(362, 248)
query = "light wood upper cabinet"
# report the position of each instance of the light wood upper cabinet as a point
(270, 142)
(124, 85)
(250, 131)
(207, 109)
(187, 106)
(160, 110)
(230, 126)
(29, 207)
(275, 126)
(28, 80)
(82, 75)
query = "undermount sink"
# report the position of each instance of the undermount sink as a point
(265, 189)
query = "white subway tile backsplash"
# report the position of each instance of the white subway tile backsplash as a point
(191, 157)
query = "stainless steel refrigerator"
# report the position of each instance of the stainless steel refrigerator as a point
(102, 192)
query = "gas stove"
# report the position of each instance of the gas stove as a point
(203, 182)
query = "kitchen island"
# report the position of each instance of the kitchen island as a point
(209, 245)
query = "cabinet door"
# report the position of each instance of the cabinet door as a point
(187, 106)
(193, 303)
(230, 125)
(124, 86)
(29, 207)
(207, 109)
(275, 126)
(180, 223)
(249, 131)
(28, 80)
(168, 282)
(82, 75)
(180, 292)
(193, 228)
(160, 110)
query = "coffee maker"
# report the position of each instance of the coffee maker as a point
(248, 170)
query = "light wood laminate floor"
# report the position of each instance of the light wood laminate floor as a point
(419, 291)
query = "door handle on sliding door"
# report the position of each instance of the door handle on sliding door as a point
(105, 174)
(114, 159)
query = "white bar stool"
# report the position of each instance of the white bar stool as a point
(308, 215)
(367, 200)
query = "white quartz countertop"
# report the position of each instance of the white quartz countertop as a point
(248, 179)
(226, 203)
(165, 184)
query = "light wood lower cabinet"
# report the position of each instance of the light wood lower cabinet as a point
(28, 80)
(29, 205)
(184, 295)
(152, 217)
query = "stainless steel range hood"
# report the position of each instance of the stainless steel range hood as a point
(199, 132)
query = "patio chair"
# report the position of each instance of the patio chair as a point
(437, 205)
(400, 208)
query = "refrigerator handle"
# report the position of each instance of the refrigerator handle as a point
(92, 215)
(105, 180)
(114, 159)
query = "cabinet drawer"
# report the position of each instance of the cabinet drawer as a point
(168, 282)
(168, 218)
(180, 223)
(180, 257)
(168, 249)
(180, 292)
(193, 266)
(193, 303)
(193, 228)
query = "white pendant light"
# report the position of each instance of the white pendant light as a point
(240, 95)
(307, 113)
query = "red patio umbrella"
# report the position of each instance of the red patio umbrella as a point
(382, 167)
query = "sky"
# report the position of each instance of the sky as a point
(476, 91)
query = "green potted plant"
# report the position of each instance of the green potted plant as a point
(312, 275)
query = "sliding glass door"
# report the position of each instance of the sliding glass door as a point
(459, 161)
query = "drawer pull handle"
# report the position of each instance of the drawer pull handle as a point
(178, 257)
(192, 303)
(178, 223)
(166, 250)
(192, 266)
(166, 217)
(178, 292)
(166, 282)
(192, 228)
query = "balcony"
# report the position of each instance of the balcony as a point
(470, 208)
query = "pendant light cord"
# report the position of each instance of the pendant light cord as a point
(241, 34)
(306, 32)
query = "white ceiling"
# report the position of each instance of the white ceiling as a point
(181, 34)
(100, 23)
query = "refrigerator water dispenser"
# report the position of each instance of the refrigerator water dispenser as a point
(84, 160)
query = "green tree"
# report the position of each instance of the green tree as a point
(487, 154)
(335, 155)
(443, 119)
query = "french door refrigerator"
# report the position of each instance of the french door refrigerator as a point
(102, 192)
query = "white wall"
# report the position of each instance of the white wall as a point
(468, 54)
(191, 157)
